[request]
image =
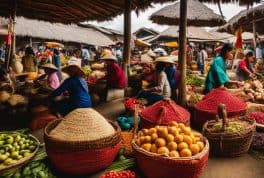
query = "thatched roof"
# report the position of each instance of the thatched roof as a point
(70, 11)
(241, 2)
(245, 19)
(57, 31)
(198, 14)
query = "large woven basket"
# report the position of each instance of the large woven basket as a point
(156, 166)
(162, 113)
(229, 144)
(21, 162)
(81, 157)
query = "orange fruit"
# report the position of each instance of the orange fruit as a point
(182, 146)
(170, 138)
(172, 130)
(153, 148)
(173, 123)
(154, 136)
(142, 140)
(147, 139)
(181, 125)
(172, 146)
(174, 154)
(160, 142)
(187, 139)
(162, 132)
(178, 138)
(146, 146)
(201, 145)
(195, 148)
(152, 131)
(186, 153)
(186, 130)
(163, 150)
(145, 131)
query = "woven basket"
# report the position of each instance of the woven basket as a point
(252, 107)
(162, 113)
(156, 166)
(23, 161)
(128, 136)
(81, 157)
(229, 144)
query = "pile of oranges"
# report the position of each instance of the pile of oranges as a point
(175, 140)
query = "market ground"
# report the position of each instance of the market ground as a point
(246, 166)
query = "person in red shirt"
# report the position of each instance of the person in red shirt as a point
(115, 74)
(245, 69)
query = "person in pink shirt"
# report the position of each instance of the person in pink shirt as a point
(53, 81)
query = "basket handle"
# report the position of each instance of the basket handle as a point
(136, 119)
(222, 114)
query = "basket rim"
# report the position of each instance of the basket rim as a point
(47, 135)
(25, 159)
(239, 133)
(195, 157)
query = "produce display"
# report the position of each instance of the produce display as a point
(131, 102)
(254, 91)
(258, 141)
(126, 123)
(232, 127)
(175, 140)
(120, 174)
(196, 81)
(193, 99)
(87, 70)
(257, 116)
(14, 147)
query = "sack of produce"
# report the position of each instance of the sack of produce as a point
(83, 142)
(16, 150)
(162, 113)
(224, 133)
(206, 109)
(173, 151)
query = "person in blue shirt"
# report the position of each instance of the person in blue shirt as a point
(77, 90)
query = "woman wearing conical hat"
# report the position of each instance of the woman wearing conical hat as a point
(52, 80)
(77, 89)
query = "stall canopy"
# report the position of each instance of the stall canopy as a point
(69, 11)
(245, 19)
(56, 31)
(241, 2)
(198, 15)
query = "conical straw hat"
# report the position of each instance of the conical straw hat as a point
(83, 124)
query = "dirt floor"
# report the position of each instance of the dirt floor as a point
(246, 166)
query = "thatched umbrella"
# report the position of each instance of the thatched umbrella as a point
(241, 2)
(198, 15)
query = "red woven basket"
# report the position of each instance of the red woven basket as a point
(83, 157)
(156, 166)
(162, 113)
(206, 109)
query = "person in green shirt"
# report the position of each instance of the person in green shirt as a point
(217, 77)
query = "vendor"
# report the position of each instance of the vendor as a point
(245, 69)
(115, 74)
(29, 61)
(217, 77)
(52, 81)
(77, 89)
(162, 87)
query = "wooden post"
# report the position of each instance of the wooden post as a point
(30, 42)
(182, 53)
(127, 37)
(254, 36)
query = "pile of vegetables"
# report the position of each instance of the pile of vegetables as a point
(131, 102)
(87, 70)
(14, 147)
(194, 99)
(196, 81)
(175, 140)
(120, 174)
(254, 91)
(257, 116)
(232, 127)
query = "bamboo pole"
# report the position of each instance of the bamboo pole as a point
(254, 36)
(127, 37)
(182, 53)
(30, 42)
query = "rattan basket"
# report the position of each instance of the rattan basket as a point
(21, 162)
(157, 166)
(253, 107)
(229, 144)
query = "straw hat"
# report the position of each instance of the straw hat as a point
(73, 69)
(166, 59)
(83, 124)
(50, 66)
(108, 57)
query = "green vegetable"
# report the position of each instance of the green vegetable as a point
(122, 165)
